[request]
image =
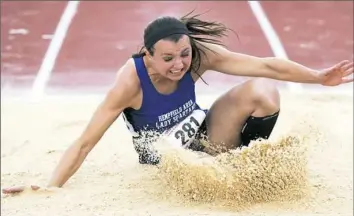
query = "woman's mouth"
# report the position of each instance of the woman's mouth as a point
(175, 71)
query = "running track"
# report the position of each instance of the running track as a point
(76, 48)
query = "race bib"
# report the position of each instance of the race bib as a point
(184, 133)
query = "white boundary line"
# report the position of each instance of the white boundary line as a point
(272, 38)
(50, 57)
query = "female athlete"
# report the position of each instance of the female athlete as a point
(154, 92)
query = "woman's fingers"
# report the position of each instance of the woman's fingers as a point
(18, 189)
(12, 190)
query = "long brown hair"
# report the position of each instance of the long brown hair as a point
(199, 31)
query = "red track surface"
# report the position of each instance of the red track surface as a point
(21, 55)
(102, 35)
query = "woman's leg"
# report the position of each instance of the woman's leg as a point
(246, 112)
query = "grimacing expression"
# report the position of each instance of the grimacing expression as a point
(172, 59)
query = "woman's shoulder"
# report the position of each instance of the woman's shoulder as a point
(127, 84)
(127, 73)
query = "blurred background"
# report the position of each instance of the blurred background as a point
(76, 47)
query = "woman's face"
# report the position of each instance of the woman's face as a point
(172, 59)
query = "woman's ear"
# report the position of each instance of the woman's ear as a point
(147, 53)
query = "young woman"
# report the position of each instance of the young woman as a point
(154, 91)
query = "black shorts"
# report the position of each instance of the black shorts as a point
(254, 128)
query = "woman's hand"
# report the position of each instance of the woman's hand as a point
(18, 189)
(337, 74)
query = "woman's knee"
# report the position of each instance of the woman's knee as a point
(265, 96)
(262, 94)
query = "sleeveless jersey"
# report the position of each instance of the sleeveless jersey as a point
(160, 112)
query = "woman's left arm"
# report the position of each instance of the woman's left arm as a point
(225, 61)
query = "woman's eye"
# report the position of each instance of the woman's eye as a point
(167, 59)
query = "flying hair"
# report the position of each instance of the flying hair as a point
(199, 31)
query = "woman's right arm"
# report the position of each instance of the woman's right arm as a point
(124, 93)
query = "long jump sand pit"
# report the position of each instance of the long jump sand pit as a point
(306, 168)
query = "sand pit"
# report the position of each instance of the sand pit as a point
(306, 168)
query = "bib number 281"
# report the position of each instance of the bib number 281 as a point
(184, 133)
(188, 130)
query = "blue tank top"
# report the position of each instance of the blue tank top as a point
(160, 112)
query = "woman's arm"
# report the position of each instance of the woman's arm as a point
(120, 96)
(225, 61)
(124, 93)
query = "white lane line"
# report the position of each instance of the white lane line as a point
(272, 38)
(50, 57)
